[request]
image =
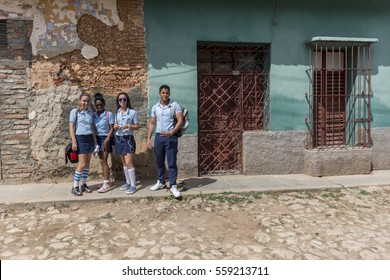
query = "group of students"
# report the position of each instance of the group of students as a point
(96, 132)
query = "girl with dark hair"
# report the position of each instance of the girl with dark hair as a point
(104, 126)
(82, 131)
(126, 122)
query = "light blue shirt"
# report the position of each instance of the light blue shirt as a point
(83, 121)
(129, 117)
(102, 122)
(164, 116)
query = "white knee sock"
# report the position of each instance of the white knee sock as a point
(131, 176)
(127, 175)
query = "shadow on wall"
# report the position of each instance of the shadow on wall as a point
(144, 164)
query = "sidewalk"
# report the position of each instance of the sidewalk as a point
(60, 192)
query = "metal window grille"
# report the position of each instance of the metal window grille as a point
(339, 95)
(3, 35)
(249, 65)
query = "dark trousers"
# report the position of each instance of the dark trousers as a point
(166, 147)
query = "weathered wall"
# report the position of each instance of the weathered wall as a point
(15, 141)
(286, 25)
(381, 149)
(79, 47)
(266, 152)
(337, 162)
(19, 46)
(98, 45)
(284, 152)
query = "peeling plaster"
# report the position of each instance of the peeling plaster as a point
(54, 21)
(17, 9)
(89, 52)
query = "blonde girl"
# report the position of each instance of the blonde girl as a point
(82, 132)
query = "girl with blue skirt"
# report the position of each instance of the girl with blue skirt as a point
(126, 122)
(82, 132)
(104, 126)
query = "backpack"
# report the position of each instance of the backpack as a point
(70, 155)
(186, 120)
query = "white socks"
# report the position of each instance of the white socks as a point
(125, 170)
(131, 176)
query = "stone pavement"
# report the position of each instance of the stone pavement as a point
(229, 217)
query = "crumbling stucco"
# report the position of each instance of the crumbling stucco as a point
(80, 46)
(55, 21)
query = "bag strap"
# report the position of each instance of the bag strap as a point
(108, 121)
(107, 118)
(173, 104)
(75, 123)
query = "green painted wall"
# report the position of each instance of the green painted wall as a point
(174, 27)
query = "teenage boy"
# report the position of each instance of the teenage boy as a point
(165, 141)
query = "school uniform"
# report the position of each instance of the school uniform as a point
(102, 124)
(84, 135)
(124, 138)
(166, 146)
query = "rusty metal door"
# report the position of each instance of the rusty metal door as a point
(220, 119)
(232, 87)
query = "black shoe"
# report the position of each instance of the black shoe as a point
(76, 191)
(85, 188)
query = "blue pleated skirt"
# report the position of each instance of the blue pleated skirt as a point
(85, 144)
(124, 144)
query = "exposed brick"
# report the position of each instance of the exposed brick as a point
(6, 157)
(20, 170)
(21, 146)
(13, 132)
(19, 86)
(12, 142)
(21, 126)
(17, 66)
(17, 175)
(15, 116)
(5, 71)
(10, 162)
(17, 76)
(22, 122)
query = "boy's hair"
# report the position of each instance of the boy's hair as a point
(164, 87)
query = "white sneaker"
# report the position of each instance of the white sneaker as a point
(175, 191)
(157, 186)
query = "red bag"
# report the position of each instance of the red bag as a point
(71, 155)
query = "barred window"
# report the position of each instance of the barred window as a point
(3, 35)
(339, 93)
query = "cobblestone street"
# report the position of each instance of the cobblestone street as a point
(348, 223)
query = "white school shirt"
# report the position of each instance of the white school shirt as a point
(102, 124)
(83, 121)
(164, 118)
(129, 117)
